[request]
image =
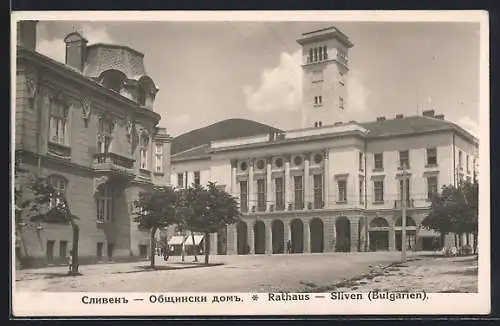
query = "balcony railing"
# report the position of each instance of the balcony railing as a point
(409, 203)
(111, 162)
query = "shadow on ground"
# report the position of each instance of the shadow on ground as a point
(141, 269)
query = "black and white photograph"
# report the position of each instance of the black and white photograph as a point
(272, 163)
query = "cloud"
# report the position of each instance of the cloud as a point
(469, 124)
(55, 48)
(280, 88)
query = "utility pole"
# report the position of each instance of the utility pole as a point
(404, 197)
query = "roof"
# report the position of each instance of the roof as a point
(376, 129)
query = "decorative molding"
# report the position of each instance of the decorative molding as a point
(129, 128)
(86, 109)
(99, 181)
(32, 85)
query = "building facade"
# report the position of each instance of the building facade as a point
(332, 185)
(89, 127)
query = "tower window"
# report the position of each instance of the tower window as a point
(325, 53)
(311, 55)
(320, 100)
(315, 54)
(320, 54)
(316, 100)
(341, 103)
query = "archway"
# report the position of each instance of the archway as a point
(411, 233)
(379, 234)
(317, 235)
(297, 228)
(222, 241)
(259, 231)
(278, 236)
(242, 237)
(343, 234)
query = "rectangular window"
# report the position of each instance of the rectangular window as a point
(467, 163)
(318, 190)
(320, 100)
(49, 251)
(325, 52)
(298, 191)
(159, 158)
(58, 123)
(432, 186)
(404, 159)
(100, 245)
(104, 203)
(144, 158)
(378, 161)
(63, 247)
(342, 191)
(460, 163)
(320, 54)
(315, 100)
(341, 103)
(360, 163)
(361, 191)
(431, 156)
(196, 177)
(378, 189)
(180, 180)
(59, 185)
(311, 55)
(261, 195)
(244, 196)
(280, 202)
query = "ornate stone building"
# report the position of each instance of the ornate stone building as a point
(88, 125)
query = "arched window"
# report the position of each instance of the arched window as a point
(59, 184)
(141, 96)
(104, 203)
(320, 53)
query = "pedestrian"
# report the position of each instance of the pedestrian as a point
(165, 253)
(69, 259)
(289, 246)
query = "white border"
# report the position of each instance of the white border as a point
(70, 304)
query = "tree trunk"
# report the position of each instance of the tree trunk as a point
(194, 246)
(475, 243)
(152, 254)
(74, 253)
(206, 243)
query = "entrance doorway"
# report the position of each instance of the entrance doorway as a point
(343, 234)
(297, 228)
(278, 236)
(317, 236)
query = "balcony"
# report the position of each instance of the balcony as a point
(398, 203)
(114, 164)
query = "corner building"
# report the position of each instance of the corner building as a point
(332, 185)
(88, 126)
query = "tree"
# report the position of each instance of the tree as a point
(208, 209)
(455, 210)
(57, 211)
(157, 209)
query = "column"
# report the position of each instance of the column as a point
(392, 237)
(307, 237)
(269, 238)
(269, 185)
(354, 233)
(287, 183)
(234, 183)
(307, 182)
(334, 236)
(288, 234)
(232, 240)
(251, 237)
(251, 195)
(362, 233)
(213, 243)
(326, 179)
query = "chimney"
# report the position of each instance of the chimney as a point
(399, 116)
(26, 34)
(76, 46)
(380, 118)
(439, 116)
(428, 113)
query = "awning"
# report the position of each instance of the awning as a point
(197, 240)
(176, 240)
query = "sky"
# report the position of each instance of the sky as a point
(211, 71)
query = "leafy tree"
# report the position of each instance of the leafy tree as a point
(208, 209)
(157, 209)
(57, 211)
(455, 210)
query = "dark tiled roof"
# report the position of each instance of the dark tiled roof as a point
(193, 153)
(377, 129)
(102, 57)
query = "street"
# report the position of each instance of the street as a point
(254, 273)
